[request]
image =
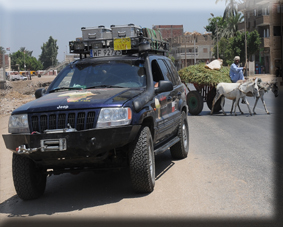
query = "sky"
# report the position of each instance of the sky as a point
(30, 23)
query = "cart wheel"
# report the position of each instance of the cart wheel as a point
(195, 102)
(209, 100)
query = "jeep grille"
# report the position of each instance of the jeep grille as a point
(77, 120)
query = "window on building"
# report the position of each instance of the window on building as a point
(204, 50)
(259, 13)
(276, 31)
(266, 10)
(254, 12)
(248, 14)
(267, 32)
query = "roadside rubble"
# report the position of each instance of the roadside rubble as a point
(18, 93)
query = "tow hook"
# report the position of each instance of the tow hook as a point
(23, 150)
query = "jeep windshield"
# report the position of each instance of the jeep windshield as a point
(101, 74)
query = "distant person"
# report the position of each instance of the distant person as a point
(236, 72)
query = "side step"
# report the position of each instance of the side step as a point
(167, 145)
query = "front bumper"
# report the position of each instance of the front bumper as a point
(80, 145)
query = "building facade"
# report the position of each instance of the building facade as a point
(192, 48)
(187, 48)
(265, 16)
(169, 31)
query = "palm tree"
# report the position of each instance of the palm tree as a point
(231, 26)
(231, 8)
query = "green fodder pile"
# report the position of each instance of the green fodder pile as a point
(198, 74)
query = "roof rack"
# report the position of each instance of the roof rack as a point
(118, 40)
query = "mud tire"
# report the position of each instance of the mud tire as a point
(29, 180)
(142, 164)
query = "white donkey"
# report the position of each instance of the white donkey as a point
(234, 91)
(263, 87)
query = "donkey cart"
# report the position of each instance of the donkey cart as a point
(203, 93)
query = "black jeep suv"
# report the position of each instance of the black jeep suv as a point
(106, 112)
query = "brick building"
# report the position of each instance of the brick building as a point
(266, 17)
(192, 48)
(169, 31)
(7, 61)
(187, 48)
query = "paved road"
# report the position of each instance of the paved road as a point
(229, 174)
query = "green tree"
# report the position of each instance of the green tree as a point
(49, 53)
(235, 46)
(23, 57)
(211, 27)
(2, 50)
(231, 8)
(231, 26)
(238, 44)
(225, 52)
(172, 58)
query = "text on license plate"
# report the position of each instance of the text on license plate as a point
(104, 52)
(122, 43)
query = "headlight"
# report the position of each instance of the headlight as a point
(110, 117)
(18, 123)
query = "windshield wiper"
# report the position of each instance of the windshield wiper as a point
(65, 88)
(104, 86)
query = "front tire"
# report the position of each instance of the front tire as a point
(181, 149)
(195, 102)
(29, 180)
(142, 164)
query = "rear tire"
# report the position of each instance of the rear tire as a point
(29, 180)
(195, 102)
(142, 164)
(181, 149)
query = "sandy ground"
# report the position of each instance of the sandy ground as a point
(18, 93)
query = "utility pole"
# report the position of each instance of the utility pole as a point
(185, 50)
(246, 46)
(195, 48)
(24, 60)
(217, 54)
(3, 65)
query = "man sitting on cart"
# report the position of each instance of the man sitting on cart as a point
(236, 72)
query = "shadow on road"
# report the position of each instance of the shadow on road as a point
(67, 192)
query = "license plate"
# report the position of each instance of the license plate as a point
(94, 53)
(122, 44)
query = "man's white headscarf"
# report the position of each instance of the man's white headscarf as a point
(236, 58)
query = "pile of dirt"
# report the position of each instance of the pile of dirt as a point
(18, 93)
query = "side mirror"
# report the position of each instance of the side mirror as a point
(164, 86)
(39, 92)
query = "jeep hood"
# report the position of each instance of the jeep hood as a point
(80, 99)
